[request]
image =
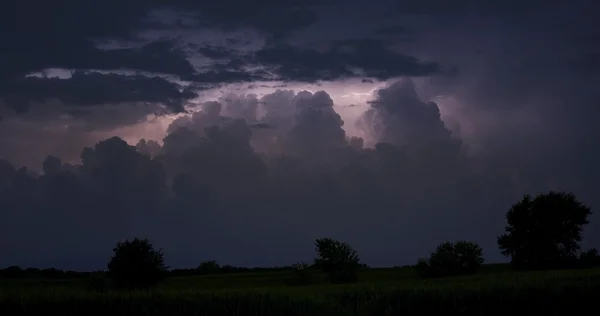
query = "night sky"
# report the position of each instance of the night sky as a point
(240, 131)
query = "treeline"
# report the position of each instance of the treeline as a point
(16, 272)
(540, 233)
(212, 267)
(208, 267)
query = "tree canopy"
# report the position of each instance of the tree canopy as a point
(545, 231)
(136, 265)
(451, 258)
(337, 259)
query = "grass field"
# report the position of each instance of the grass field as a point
(394, 291)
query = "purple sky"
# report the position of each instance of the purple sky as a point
(256, 127)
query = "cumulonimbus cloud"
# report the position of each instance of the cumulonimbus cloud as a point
(222, 185)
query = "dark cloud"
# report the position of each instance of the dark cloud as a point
(217, 52)
(397, 33)
(157, 57)
(43, 34)
(92, 88)
(394, 30)
(275, 18)
(217, 78)
(369, 58)
(471, 6)
(66, 34)
(64, 31)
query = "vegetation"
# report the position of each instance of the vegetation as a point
(544, 232)
(381, 292)
(589, 259)
(208, 267)
(302, 274)
(547, 227)
(338, 260)
(136, 265)
(450, 259)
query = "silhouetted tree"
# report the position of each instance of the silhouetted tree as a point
(338, 260)
(544, 232)
(136, 265)
(449, 259)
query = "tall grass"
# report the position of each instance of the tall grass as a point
(545, 293)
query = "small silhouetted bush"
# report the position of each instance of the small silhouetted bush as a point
(338, 260)
(136, 265)
(450, 259)
(208, 267)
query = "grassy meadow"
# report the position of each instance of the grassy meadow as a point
(381, 291)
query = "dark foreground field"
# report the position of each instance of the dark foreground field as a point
(494, 291)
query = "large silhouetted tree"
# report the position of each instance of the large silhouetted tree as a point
(338, 260)
(136, 265)
(545, 231)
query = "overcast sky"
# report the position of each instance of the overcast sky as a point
(240, 131)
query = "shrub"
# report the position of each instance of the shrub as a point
(338, 260)
(208, 267)
(449, 259)
(136, 265)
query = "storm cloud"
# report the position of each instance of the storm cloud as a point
(240, 132)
